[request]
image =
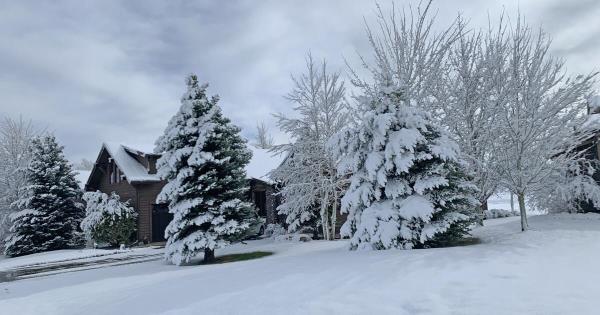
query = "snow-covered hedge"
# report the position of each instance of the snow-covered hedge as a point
(274, 230)
(499, 213)
(108, 220)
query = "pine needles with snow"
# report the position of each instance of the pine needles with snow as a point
(203, 160)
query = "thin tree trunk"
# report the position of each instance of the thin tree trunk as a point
(209, 255)
(334, 216)
(325, 217)
(512, 202)
(482, 208)
(521, 198)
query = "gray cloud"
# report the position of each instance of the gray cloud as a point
(114, 70)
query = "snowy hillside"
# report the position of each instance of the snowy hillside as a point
(324, 278)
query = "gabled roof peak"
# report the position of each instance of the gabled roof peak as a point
(134, 170)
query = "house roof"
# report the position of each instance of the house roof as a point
(263, 161)
(134, 170)
(260, 165)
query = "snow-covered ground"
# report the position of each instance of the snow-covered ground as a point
(59, 256)
(550, 269)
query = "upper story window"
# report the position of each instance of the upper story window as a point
(114, 173)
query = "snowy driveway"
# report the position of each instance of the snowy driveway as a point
(56, 262)
(548, 270)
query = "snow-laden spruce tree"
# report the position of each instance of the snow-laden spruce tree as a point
(50, 208)
(203, 160)
(311, 186)
(108, 219)
(408, 188)
(539, 124)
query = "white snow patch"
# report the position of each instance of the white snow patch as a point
(549, 269)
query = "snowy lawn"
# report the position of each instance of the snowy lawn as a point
(550, 269)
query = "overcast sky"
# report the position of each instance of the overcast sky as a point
(93, 71)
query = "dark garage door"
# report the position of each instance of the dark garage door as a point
(160, 219)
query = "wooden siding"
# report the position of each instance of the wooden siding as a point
(146, 198)
(272, 201)
(140, 196)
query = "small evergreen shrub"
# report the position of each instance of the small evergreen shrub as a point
(108, 220)
(499, 213)
(274, 230)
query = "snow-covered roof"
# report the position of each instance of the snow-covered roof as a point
(262, 163)
(82, 177)
(134, 170)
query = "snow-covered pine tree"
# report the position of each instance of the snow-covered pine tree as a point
(408, 188)
(50, 210)
(203, 160)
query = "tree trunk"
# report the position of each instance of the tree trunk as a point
(209, 255)
(325, 217)
(334, 216)
(512, 202)
(482, 208)
(484, 204)
(324, 224)
(521, 198)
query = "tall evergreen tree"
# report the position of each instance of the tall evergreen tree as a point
(50, 209)
(203, 160)
(408, 188)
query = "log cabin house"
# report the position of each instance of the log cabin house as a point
(132, 175)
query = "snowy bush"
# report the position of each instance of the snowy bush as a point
(108, 220)
(293, 237)
(499, 213)
(570, 189)
(274, 230)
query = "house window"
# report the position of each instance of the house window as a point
(115, 174)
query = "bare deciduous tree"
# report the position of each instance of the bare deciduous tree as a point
(15, 136)
(311, 184)
(264, 140)
(539, 120)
